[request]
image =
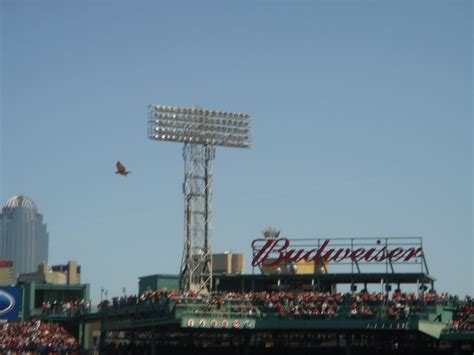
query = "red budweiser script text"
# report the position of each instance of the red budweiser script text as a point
(277, 251)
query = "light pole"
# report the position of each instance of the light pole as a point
(201, 131)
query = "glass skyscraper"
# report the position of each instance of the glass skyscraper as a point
(23, 235)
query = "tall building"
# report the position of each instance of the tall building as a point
(6, 273)
(71, 270)
(68, 274)
(23, 235)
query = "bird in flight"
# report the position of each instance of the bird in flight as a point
(121, 169)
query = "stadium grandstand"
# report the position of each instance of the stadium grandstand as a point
(266, 312)
(164, 321)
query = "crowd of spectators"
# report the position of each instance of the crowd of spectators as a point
(147, 298)
(35, 336)
(68, 308)
(463, 320)
(402, 305)
(284, 304)
(319, 304)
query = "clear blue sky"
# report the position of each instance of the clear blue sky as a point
(362, 125)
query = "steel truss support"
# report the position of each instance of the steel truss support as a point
(196, 264)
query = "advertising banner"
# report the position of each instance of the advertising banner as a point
(9, 302)
(275, 251)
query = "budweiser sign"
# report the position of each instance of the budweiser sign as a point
(277, 251)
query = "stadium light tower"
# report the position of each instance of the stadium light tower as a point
(201, 131)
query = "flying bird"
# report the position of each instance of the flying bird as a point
(121, 169)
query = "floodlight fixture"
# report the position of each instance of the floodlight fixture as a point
(199, 126)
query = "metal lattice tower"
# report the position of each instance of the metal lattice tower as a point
(200, 130)
(196, 264)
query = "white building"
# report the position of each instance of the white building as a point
(23, 235)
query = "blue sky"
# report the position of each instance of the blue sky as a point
(362, 125)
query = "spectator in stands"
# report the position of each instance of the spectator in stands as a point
(35, 336)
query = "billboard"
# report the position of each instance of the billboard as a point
(338, 251)
(9, 302)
